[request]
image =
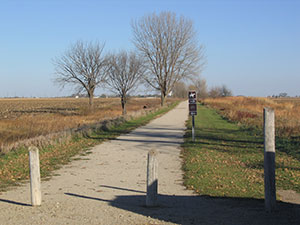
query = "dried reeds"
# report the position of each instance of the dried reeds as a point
(40, 122)
(248, 110)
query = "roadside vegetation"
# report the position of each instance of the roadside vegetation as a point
(14, 168)
(226, 159)
(248, 111)
(22, 120)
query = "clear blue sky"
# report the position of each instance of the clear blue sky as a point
(252, 46)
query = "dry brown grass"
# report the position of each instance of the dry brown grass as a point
(21, 119)
(249, 111)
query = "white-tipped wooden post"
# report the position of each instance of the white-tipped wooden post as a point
(269, 159)
(152, 180)
(35, 178)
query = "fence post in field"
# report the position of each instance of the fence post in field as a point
(269, 159)
(152, 179)
(35, 178)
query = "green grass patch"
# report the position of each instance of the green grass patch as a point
(226, 159)
(14, 166)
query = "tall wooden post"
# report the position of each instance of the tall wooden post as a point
(35, 178)
(269, 159)
(152, 179)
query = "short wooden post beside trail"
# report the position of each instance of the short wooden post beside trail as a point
(35, 178)
(152, 179)
(269, 159)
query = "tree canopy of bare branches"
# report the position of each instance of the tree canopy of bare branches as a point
(169, 48)
(200, 86)
(220, 91)
(82, 66)
(125, 72)
(180, 90)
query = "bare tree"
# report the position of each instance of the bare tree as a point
(169, 48)
(220, 91)
(125, 72)
(226, 92)
(200, 86)
(180, 90)
(215, 92)
(82, 66)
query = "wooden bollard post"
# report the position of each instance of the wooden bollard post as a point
(269, 159)
(35, 178)
(152, 179)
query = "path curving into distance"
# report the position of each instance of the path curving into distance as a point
(108, 186)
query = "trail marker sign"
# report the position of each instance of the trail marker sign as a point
(193, 103)
(193, 110)
(192, 97)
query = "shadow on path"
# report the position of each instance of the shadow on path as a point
(13, 202)
(122, 189)
(205, 210)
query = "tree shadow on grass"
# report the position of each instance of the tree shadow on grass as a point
(229, 144)
(227, 138)
(244, 138)
(205, 210)
(260, 165)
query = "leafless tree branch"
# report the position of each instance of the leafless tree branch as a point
(82, 66)
(125, 72)
(169, 48)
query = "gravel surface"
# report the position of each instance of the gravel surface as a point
(108, 187)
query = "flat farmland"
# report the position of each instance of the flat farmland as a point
(249, 111)
(27, 118)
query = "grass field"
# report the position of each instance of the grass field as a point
(21, 119)
(227, 158)
(14, 165)
(249, 111)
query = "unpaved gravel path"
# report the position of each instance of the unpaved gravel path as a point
(108, 187)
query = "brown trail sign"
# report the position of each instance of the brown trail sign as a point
(193, 109)
(192, 103)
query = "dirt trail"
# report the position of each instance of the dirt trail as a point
(108, 187)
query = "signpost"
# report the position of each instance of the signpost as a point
(193, 110)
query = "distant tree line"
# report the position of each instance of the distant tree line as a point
(166, 53)
(281, 95)
(199, 85)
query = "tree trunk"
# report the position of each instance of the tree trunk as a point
(123, 103)
(162, 98)
(91, 100)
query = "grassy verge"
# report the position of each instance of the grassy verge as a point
(227, 159)
(14, 165)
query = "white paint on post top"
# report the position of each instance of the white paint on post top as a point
(269, 130)
(35, 177)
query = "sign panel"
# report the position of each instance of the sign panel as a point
(192, 102)
(193, 109)
(192, 95)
